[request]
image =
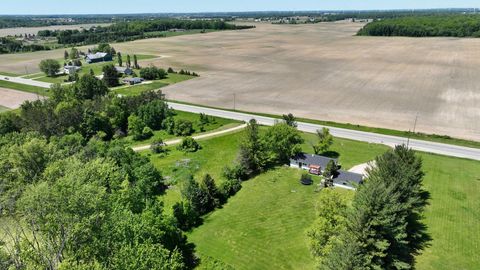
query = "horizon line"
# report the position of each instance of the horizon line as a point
(246, 11)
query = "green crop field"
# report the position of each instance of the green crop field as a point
(263, 226)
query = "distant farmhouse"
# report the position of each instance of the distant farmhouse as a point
(98, 57)
(133, 81)
(316, 164)
(124, 70)
(70, 69)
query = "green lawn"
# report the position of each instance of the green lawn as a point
(216, 124)
(453, 217)
(25, 88)
(3, 109)
(155, 85)
(8, 74)
(405, 134)
(216, 153)
(263, 226)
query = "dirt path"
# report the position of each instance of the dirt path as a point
(198, 137)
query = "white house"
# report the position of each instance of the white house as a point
(71, 69)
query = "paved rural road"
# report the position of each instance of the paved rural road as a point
(25, 81)
(198, 137)
(425, 146)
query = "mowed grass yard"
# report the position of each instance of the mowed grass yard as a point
(153, 85)
(3, 109)
(25, 88)
(453, 217)
(263, 226)
(216, 123)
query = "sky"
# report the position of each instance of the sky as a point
(179, 6)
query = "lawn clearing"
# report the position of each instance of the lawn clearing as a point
(216, 153)
(217, 123)
(263, 226)
(24, 88)
(8, 74)
(453, 217)
(3, 109)
(154, 85)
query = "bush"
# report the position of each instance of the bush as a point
(157, 146)
(170, 70)
(188, 144)
(236, 172)
(153, 73)
(230, 187)
(183, 128)
(147, 133)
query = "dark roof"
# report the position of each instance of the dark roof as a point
(311, 159)
(348, 178)
(97, 55)
(123, 69)
(136, 80)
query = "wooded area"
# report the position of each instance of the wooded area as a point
(425, 26)
(128, 31)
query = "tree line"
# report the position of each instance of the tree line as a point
(425, 26)
(128, 31)
(10, 45)
(87, 107)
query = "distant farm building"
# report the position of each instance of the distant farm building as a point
(69, 69)
(316, 165)
(124, 70)
(98, 57)
(133, 81)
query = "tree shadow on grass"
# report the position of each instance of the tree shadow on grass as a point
(331, 154)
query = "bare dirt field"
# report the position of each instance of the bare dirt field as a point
(322, 71)
(34, 30)
(12, 99)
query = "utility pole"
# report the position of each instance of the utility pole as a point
(234, 102)
(414, 128)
